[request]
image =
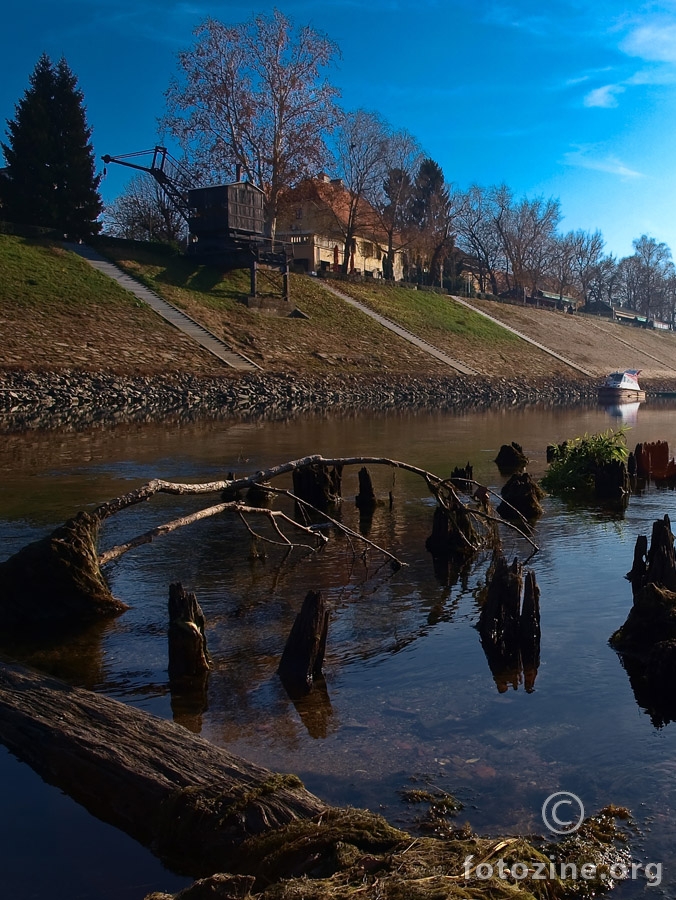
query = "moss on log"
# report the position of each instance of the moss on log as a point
(245, 830)
(192, 803)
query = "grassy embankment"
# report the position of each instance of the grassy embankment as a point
(57, 312)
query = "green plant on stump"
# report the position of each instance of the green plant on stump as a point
(575, 463)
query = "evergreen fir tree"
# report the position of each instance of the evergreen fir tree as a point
(51, 179)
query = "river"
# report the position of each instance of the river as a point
(409, 698)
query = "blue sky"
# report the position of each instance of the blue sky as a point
(573, 100)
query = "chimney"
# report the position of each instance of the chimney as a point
(238, 172)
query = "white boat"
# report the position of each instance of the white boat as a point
(621, 387)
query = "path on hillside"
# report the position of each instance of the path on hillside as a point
(402, 332)
(168, 311)
(524, 337)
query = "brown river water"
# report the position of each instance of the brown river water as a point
(409, 698)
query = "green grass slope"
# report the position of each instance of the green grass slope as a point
(57, 312)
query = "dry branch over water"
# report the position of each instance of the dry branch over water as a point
(63, 574)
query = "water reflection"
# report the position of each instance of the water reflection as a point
(407, 685)
(626, 413)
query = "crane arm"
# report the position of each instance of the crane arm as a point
(167, 172)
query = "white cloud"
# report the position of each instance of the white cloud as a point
(586, 158)
(605, 96)
(654, 41)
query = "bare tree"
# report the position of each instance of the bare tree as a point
(588, 260)
(143, 212)
(528, 228)
(361, 151)
(477, 235)
(253, 95)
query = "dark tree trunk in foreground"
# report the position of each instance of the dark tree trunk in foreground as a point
(192, 803)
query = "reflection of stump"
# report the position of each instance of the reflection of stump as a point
(522, 495)
(188, 655)
(303, 654)
(318, 485)
(511, 458)
(57, 580)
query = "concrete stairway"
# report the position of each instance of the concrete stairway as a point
(168, 311)
(402, 332)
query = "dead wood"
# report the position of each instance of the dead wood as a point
(57, 580)
(511, 458)
(205, 811)
(188, 656)
(366, 500)
(318, 484)
(192, 803)
(521, 498)
(303, 655)
(62, 577)
(510, 630)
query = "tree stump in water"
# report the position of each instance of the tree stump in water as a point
(453, 534)
(188, 656)
(510, 633)
(461, 475)
(522, 495)
(511, 458)
(652, 461)
(303, 655)
(318, 485)
(652, 617)
(57, 580)
(611, 481)
(366, 500)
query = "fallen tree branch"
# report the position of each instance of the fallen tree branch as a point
(156, 486)
(349, 532)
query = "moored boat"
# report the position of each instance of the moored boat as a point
(621, 387)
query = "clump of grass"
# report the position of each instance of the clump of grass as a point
(575, 463)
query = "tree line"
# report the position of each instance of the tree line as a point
(256, 97)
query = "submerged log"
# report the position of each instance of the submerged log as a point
(192, 803)
(57, 580)
(188, 656)
(303, 655)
